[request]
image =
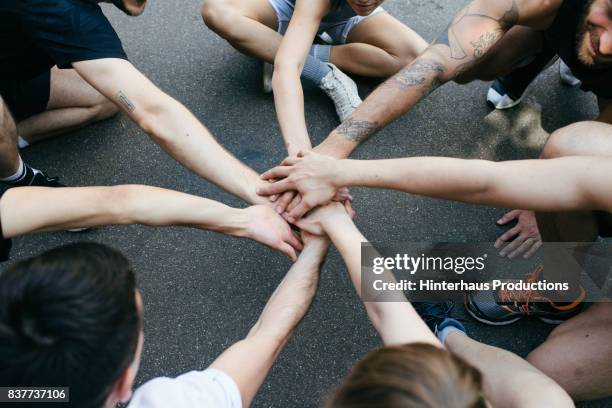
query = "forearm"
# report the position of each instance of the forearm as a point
(289, 102)
(389, 101)
(293, 296)
(180, 134)
(38, 209)
(541, 185)
(395, 319)
(537, 390)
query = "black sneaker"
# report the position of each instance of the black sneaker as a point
(35, 177)
(508, 91)
(437, 315)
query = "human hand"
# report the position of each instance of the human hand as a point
(522, 239)
(265, 226)
(315, 221)
(312, 175)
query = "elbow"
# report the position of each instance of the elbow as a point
(120, 200)
(153, 116)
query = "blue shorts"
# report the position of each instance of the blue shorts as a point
(334, 28)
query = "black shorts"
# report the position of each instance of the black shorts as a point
(26, 97)
(605, 224)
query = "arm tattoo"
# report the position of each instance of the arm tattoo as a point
(357, 130)
(127, 104)
(417, 74)
(449, 38)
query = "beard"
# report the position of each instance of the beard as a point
(582, 39)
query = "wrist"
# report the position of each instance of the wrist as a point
(335, 146)
(235, 222)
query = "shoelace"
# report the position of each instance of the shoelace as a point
(434, 312)
(522, 298)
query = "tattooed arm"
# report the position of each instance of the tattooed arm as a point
(469, 36)
(170, 125)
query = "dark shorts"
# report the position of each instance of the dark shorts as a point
(605, 224)
(26, 97)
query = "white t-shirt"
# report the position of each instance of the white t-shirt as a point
(210, 388)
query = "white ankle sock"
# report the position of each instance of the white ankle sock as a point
(21, 172)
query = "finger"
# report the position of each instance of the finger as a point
(522, 248)
(534, 248)
(296, 200)
(507, 236)
(295, 242)
(288, 250)
(349, 209)
(277, 188)
(284, 201)
(290, 161)
(299, 211)
(517, 242)
(509, 216)
(273, 197)
(276, 172)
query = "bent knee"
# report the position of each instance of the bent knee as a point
(566, 140)
(217, 16)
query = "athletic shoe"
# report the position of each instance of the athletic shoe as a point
(437, 315)
(504, 96)
(342, 90)
(508, 91)
(268, 70)
(35, 177)
(567, 76)
(502, 307)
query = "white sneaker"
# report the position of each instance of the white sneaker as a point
(342, 90)
(567, 77)
(268, 70)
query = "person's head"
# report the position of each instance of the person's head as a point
(129, 7)
(594, 46)
(72, 317)
(364, 7)
(414, 375)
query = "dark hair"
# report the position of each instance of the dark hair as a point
(415, 375)
(68, 318)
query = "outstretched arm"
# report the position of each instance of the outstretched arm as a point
(25, 210)
(473, 31)
(249, 361)
(170, 125)
(561, 184)
(396, 322)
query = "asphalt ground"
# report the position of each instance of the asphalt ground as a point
(203, 291)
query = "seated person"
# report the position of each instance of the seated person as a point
(362, 39)
(73, 317)
(416, 368)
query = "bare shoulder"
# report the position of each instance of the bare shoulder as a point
(538, 14)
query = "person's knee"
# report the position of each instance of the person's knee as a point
(565, 141)
(105, 110)
(217, 16)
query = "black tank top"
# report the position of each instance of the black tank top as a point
(562, 38)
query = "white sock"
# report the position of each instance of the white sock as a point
(21, 172)
(22, 143)
(445, 332)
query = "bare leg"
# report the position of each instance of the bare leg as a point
(73, 103)
(577, 354)
(509, 381)
(378, 46)
(9, 153)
